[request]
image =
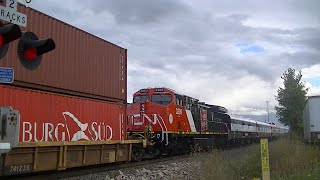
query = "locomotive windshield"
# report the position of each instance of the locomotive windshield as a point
(163, 99)
(141, 98)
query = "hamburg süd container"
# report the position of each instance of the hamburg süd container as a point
(53, 117)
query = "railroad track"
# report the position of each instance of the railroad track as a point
(74, 172)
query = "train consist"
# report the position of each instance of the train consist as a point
(173, 123)
(68, 108)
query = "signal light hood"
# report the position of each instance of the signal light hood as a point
(8, 33)
(31, 49)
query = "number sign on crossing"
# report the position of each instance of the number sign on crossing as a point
(10, 14)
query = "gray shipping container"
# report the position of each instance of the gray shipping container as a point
(311, 119)
(82, 64)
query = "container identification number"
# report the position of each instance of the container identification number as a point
(20, 168)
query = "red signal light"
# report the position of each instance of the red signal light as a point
(30, 54)
(31, 49)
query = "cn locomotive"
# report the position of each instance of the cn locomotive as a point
(174, 123)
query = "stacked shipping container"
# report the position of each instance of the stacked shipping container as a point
(73, 106)
(82, 70)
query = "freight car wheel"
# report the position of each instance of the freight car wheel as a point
(137, 154)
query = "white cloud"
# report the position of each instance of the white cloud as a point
(311, 72)
(313, 90)
(311, 76)
(249, 111)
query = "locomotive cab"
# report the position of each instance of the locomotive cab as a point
(162, 108)
(173, 122)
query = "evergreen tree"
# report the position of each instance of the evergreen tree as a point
(291, 100)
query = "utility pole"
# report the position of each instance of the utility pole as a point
(268, 109)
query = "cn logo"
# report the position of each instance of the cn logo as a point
(178, 111)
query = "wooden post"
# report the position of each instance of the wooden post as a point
(265, 159)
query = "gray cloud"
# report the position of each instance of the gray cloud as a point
(191, 46)
(142, 12)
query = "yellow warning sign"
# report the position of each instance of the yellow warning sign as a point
(265, 159)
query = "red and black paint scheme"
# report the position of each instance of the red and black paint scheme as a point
(173, 123)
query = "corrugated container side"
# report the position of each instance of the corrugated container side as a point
(53, 117)
(314, 113)
(82, 64)
(306, 123)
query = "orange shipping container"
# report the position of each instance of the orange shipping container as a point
(82, 64)
(53, 117)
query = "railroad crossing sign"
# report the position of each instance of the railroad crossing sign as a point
(6, 75)
(10, 14)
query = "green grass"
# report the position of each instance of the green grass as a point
(288, 159)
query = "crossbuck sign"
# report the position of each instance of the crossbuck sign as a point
(10, 14)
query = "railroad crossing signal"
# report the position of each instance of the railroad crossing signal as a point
(31, 49)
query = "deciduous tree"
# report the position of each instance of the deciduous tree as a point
(291, 99)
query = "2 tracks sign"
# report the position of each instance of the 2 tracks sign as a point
(10, 13)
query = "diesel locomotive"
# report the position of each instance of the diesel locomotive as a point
(175, 123)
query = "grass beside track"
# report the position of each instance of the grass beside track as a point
(288, 158)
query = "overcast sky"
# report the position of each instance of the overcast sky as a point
(230, 53)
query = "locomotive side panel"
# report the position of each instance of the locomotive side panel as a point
(162, 118)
